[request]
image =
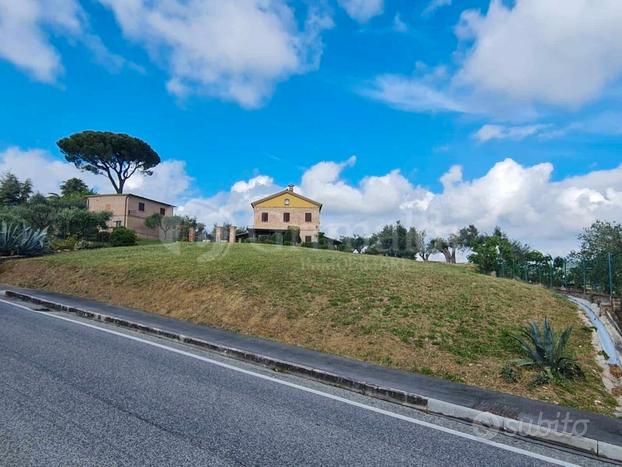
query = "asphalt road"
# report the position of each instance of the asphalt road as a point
(77, 393)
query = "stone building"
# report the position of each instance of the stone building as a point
(280, 211)
(130, 211)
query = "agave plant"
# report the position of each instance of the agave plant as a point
(546, 349)
(16, 239)
(32, 241)
(9, 238)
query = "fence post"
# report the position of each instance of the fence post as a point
(609, 266)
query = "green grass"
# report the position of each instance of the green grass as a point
(432, 318)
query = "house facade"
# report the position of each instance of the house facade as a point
(285, 209)
(130, 211)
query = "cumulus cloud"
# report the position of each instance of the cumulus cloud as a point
(362, 10)
(525, 55)
(25, 27)
(236, 50)
(523, 200)
(169, 182)
(491, 131)
(28, 26)
(561, 52)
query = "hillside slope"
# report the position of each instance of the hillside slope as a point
(425, 317)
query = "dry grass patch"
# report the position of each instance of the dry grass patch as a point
(431, 318)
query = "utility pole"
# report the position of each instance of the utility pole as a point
(584, 277)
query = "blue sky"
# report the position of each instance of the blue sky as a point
(272, 88)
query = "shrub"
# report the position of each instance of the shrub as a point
(122, 236)
(509, 374)
(68, 243)
(102, 236)
(87, 245)
(80, 222)
(546, 350)
(16, 239)
(542, 378)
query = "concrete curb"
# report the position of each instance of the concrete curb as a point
(427, 404)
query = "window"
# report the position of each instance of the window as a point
(163, 211)
(286, 201)
(286, 217)
(308, 217)
(264, 217)
(141, 206)
(308, 239)
(117, 223)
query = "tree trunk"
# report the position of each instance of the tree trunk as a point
(450, 255)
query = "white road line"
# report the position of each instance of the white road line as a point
(306, 389)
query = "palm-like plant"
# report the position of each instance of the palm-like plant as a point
(546, 349)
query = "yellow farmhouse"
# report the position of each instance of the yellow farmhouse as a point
(280, 211)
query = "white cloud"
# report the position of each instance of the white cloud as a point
(236, 50)
(523, 200)
(25, 27)
(410, 94)
(491, 131)
(398, 24)
(559, 52)
(28, 26)
(521, 58)
(245, 186)
(362, 10)
(169, 182)
(435, 5)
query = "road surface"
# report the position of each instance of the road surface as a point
(73, 392)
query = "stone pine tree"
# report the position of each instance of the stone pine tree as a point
(116, 155)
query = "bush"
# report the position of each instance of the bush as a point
(68, 243)
(509, 374)
(87, 245)
(546, 350)
(122, 236)
(103, 236)
(16, 239)
(80, 222)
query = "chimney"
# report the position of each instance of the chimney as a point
(217, 234)
(290, 187)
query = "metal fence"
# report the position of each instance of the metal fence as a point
(601, 274)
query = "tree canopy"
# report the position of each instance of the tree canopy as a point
(75, 188)
(116, 155)
(12, 191)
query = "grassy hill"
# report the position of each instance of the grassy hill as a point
(430, 318)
